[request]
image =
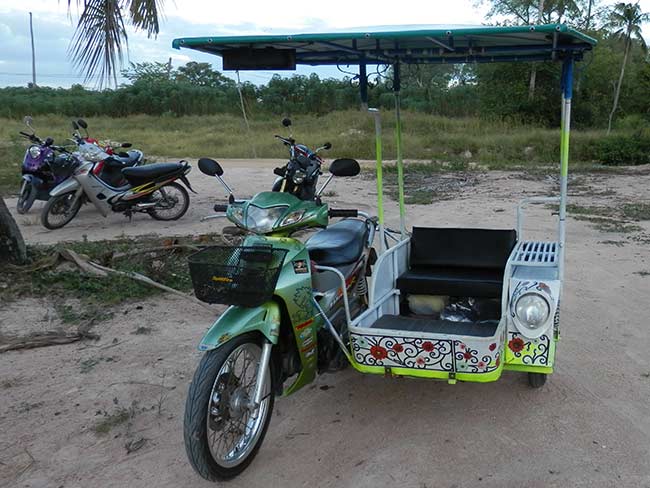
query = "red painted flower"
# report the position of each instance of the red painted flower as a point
(481, 364)
(516, 344)
(467, 355)
(378, 352)
(493, 346)
(420, 361)
(462, 346)
(428, 346)
(498, 361)
(398, 347)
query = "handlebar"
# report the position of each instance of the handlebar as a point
(342, 212)
(288, 141)
(220, 207)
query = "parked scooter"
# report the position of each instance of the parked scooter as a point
(286, 298)
(150, 189)
(300, 175)
(44, 167)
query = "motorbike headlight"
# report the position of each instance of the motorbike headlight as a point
(262, 220)
(298, 177)
(292, 218)
(35, 152)
(532, 310)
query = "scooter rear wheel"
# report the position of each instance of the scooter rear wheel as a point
(173, 202)
(26, 197)
(222, 434)
(60, 210)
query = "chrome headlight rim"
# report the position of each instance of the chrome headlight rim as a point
(292, 218)
(35, 152)
(538, 327)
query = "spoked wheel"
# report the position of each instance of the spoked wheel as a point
(60, 210)
(26, 197)
(536, 380)
(223, 432)
(172, 201)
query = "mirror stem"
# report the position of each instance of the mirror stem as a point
(225, 185)
(318, 193)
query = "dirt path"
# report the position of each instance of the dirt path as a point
(589, 426)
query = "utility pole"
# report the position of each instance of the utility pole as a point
(31, 33)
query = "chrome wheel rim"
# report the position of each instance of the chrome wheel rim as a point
(169, 202)
(233, 426)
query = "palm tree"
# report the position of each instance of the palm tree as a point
(98, 44)
(625, 23)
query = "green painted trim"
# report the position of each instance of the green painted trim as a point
(398, 34)
(436, 375)
(564, 149)
(528, 369)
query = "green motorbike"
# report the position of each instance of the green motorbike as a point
(290, 303)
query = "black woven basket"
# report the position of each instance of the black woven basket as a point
(244, 276)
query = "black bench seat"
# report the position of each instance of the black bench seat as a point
(457, 262)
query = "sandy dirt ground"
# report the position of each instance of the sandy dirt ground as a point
(589, 425)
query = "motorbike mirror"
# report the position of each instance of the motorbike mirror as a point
(126, 144)
(49, 141)
(82, 123)
(75, 126)
(210, 167)
(345, 167)
(327, 146)
(286, 122)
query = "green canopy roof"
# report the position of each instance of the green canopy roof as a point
(436, 44)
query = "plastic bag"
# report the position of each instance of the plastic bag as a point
(427, 304)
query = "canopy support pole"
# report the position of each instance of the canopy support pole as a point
(398, 143)
(380, 177)
(565, 129)
(363, 85)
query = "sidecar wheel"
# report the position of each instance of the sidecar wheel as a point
(222, 435)
(536, 380)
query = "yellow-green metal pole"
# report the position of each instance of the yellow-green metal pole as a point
(380, 176)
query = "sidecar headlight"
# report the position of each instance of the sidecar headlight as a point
(35, 152)
(532, 310)
(292, 218)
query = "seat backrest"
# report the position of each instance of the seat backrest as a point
(461, 248)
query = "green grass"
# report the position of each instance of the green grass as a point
(495, 144)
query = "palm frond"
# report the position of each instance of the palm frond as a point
(145, 15)
(97, 46)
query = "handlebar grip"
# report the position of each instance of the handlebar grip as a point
(25, 134)
(220, 207)
(342, 212)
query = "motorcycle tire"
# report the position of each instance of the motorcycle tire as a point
(26, 198)
(52, 205)
(213, 377)
(182, 199)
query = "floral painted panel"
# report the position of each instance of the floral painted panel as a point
(530, 352)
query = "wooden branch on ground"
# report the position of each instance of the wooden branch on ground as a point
(48, 338)
(121, 255)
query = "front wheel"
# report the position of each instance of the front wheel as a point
(172, 201)
(222, 431)
(60, 210)
(26, 197)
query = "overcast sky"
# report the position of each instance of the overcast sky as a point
(53, 29)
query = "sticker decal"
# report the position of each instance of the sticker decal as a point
(300, 266)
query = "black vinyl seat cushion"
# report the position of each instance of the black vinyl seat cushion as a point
(142, 174)
(124, 160)
(455, 282)
(457, 262)
(339, 244)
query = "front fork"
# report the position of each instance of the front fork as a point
(260, 382)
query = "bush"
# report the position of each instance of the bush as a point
(624, 150)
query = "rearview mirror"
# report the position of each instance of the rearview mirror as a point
(327, 146)
(210, 167)
(345, 167)
(75, 126)
(82, 123)
(286, 122)
(126, 144)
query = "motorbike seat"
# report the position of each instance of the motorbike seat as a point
(151, 171)
(339, 244)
